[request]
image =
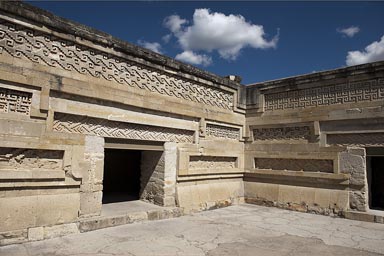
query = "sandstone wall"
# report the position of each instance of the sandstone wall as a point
(307, 139)
(66, 88)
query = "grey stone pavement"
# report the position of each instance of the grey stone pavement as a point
(236, 230)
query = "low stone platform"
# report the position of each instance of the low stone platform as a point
(115, 214)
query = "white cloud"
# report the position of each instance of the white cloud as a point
(166, 38)
(371, 53)
(349, 32)
(227, 34)
(194, 58)
(156, 47)
(174, 23)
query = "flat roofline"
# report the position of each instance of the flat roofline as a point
(323, 75)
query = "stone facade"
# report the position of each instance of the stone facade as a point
(68, 92)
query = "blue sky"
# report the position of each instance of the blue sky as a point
(257, 40)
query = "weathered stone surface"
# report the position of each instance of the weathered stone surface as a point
(353, 162)
(60, 230)
(236, 230)
(35, 234)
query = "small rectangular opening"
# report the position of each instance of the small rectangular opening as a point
(375, 177)
(121, 175)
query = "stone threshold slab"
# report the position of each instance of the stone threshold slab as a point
(143, 213)
(369, 216)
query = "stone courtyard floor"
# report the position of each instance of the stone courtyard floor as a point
(236, 230)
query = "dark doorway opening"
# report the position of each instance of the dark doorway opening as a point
(121, 175)
(376, 182)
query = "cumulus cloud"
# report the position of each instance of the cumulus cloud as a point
(213, 31)
(174, 23)
(194, 58)
(156, 47)
(371, 53)
(349, 32)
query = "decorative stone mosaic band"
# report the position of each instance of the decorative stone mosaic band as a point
(326, 95)
(107, 128)
(207, 162)
(306, 165)
(45, 49)
(356, 139)
(225, 132)
(282, 133)
(12, 101)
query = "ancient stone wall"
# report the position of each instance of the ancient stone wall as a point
(66, 89)
(307, 139)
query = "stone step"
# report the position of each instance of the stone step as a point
(369, 216)
(132, 217)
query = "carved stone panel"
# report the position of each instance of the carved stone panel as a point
(282, 133)
(21, 158)
(225, 132)
(326, 95)
(12, 101)
(306, 165)
(107, 128)
(356, 139)
(211, 162)
(52, 51)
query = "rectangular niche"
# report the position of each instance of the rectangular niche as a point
(305, 165)
(212, 162)
(16, 102)
(30, 159)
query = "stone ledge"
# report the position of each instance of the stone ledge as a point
(369, 216)
(210, 176)
(309, 179)
(39, 174)
(112, 221)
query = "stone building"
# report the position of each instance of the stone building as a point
(87, 119)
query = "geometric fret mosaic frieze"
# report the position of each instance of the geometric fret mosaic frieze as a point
(352, 92)
(106, 128)
(12, 101)
(282, 133)
(49, 50)
(225, 132)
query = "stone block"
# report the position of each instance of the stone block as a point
(94, 144)
(137, 217)
(57, 209)
(35, 234)
(357, 200)
(99, 170)
(323, 197)
(60, 230)
(218, 191)
(265, 191)
(307, 195)
(13, 237)
(90, 203)
(289, 194)
(18, 212)
(153, 215)
(169, 201)
(184, 196)
(339, 199)
(353, 162)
